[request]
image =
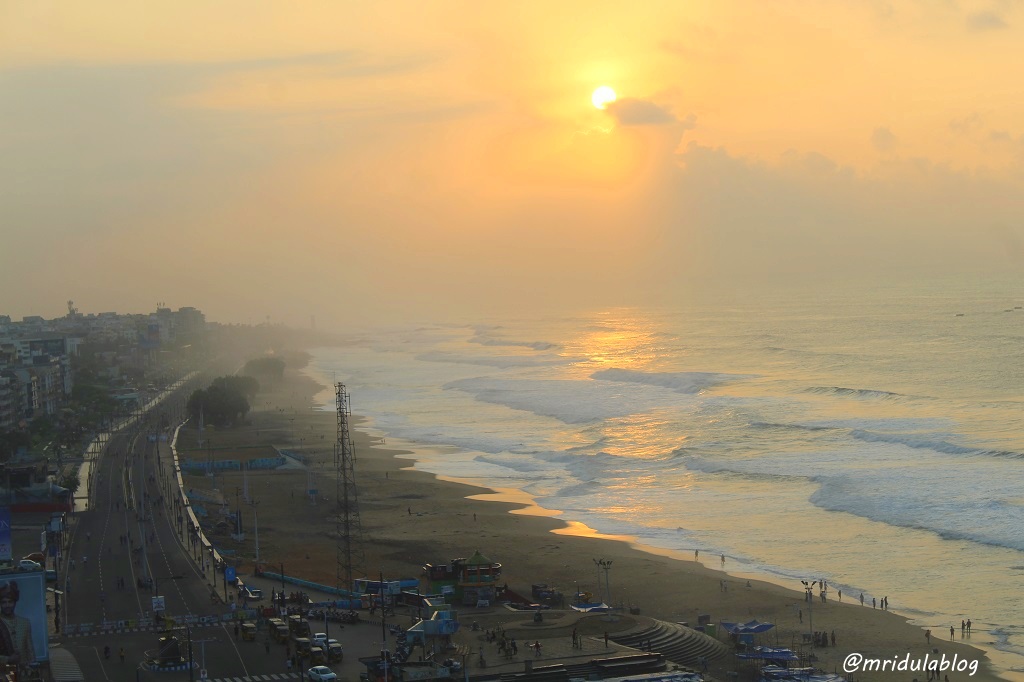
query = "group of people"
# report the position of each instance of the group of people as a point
(822, 638)
(875, 603)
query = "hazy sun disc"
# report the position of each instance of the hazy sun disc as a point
(602, 97)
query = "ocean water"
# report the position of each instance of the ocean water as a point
(872, 438)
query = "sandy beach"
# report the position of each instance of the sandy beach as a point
(410, 517)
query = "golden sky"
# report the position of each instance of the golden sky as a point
(260, 159)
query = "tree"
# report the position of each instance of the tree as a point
(267, 368)
(70, 482)
(222, 404)
(244, 385)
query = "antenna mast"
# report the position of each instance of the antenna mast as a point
(349, 529)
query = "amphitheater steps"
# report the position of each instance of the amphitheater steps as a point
(679, 644)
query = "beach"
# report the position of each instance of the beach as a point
(409, 518)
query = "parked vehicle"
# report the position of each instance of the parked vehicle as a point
(317, 655)
(298, 626)
(278, 630)
(302, 645)
(321, 673)
(249, 632)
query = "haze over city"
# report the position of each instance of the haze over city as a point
(360, 161)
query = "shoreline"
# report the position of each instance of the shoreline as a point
(455, 518)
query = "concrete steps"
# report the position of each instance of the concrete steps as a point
(679, 644)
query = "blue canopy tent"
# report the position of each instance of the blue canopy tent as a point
(767, 653)
(752, 627)
(743, 633)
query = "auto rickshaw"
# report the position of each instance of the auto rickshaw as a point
(302, 646)
(279, 630)
(316, 655)
(335, 653)
(249, 632)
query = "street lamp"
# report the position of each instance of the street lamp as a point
(607, 566)
(256, 529)
(809, 588)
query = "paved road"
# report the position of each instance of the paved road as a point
(131, 532)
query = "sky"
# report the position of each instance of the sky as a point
(363, 162)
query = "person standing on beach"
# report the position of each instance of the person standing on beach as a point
(872, 602)
(840, 593)
(952, 633)
(696, 555)
(862, 599)
(968, 626)
(723, 560)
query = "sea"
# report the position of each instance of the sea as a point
(870, 437)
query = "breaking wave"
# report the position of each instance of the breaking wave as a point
(680, 382)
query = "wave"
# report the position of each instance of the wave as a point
(484, 340)
(856, 392)
(707, 466)
(500, 361)
(567, 400)
(680, 382)
(924, 443)
(992, 524)
(807, 353)
(795, 427)
(519, 465)
(578, 490)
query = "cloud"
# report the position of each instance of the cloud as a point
(884, 140)
(985, 21)
(967, 124)
(739, 222)
(640, 112)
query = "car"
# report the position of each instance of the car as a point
(320, 673)
(253, 593)
(51, 575)
(29, 565)
(320, 638)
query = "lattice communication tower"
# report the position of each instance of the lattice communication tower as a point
(349, 529)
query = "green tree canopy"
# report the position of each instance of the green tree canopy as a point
(247, 386)
(71, 482)
(271, 368)
(222, 404)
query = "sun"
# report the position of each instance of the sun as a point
(602, 97)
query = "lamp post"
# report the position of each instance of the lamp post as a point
(809, 588)
(256, 529)
(607, 566)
